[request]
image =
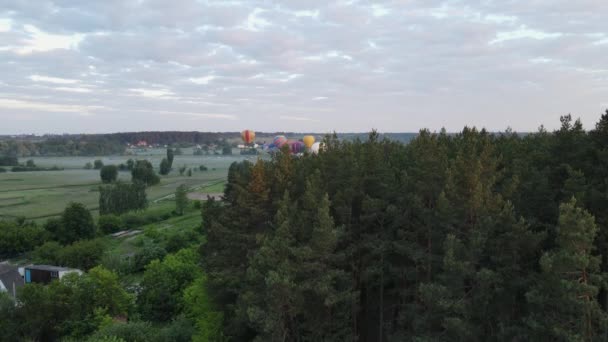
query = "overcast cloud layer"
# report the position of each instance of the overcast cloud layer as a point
(300, 65)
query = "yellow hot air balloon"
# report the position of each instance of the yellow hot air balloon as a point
(308, 141)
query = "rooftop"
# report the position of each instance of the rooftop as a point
(48, 268)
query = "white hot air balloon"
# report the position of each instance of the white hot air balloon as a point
(315, 147)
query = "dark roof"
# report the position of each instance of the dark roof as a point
(10, 275)
(48, 268)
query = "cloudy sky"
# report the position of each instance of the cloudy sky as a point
(300, 65)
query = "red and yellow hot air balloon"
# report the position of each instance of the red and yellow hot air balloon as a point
(248, 136)
(308, 141)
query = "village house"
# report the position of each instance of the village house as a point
(44, 274)
(10, 279)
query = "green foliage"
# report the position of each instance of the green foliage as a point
(143, 172)
(226, 149)
(75, 306)
(8, 160)
(460, 237)
(88, 166)
(203, 168)
(84, 254)
(30, 163)
(165, 167)
(145, 255)
(181, 199)
(119, 198)
(199, 307)
(182, 169)
(189, 173)
(47, 254)
(564, 305)
(97, 164)
(170, 157)
(108, 173)
(163, 285)
(76, 223)
(19, 237)
(109, 223)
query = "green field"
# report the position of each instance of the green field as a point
(42, 194)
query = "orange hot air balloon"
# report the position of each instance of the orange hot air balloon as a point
(248, 136)
(308, 141)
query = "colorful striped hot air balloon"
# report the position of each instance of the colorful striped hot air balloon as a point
(248, 136)
(279, 141)
(308, 141)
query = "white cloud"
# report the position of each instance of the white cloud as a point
(319, 98)
(5, 24)
(40, 41)
(254, 22)
(202, 80)
(48, 79)
(524, 32)
(47, 107)
(152, 93)
(73, 89)
(379, 10)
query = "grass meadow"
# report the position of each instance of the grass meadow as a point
(43, 194)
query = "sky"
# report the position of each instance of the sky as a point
(72, 66)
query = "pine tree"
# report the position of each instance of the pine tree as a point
(564, 304)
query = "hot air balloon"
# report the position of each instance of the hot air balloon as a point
(248, 136)
(308, 140)
(315, 147)
(279, 141)
(296, 147)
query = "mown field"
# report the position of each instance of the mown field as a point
(42, 194)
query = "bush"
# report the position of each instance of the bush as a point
(76, 224)
(131, 221)
(88, 166)
(131, 331)
(84, 254)
(145, 255)
(196, 204)
(48, 253)
(117, 263)
(2, 170)
(108, 173)
(19, 237)
(144, 172)
(203, 168)
(109, 224)
(8, 161)
(98, 164)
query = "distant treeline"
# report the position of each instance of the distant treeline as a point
(116, 143)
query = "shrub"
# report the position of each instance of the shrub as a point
(2, 170)
(84, 254)
(98, 164)
(48, 253)
(145, 255)
(108, 173)
(109, 224)
(196, 204)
